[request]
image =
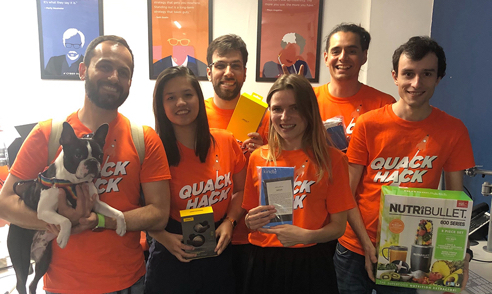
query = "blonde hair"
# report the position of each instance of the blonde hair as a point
(315, 138)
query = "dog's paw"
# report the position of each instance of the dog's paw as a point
(62, 240)
(120, 226)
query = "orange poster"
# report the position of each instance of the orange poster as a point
(289, 33)
(179, 34)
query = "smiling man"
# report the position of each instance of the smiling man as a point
(96, 261)
(345, 53)
(416, 142)
(227, 56)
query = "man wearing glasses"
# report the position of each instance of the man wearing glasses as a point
(68, 64)
(227, 56)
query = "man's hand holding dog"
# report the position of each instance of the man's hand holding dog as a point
(82, 217)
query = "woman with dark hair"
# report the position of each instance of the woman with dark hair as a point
(207, 169)
(294, 258)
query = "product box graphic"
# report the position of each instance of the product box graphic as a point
(277, 189)
(247, 116)
(199, 231)
(422, 238)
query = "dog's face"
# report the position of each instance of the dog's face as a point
(81, 158)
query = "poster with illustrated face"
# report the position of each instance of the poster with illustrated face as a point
(289, 34)
(65, 30)
(179, 34)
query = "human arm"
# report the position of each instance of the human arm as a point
(234, 211)
(14, 210)
(357, 224)
(255, 141)
(174, 244)
(290, 235)
(153, 216)
(286, 71)
(259, 216)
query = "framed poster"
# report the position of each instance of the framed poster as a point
(179, 34)
(289, 33)
(65, 30)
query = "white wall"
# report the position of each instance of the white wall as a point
(25, 98)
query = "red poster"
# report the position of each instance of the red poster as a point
(289, 34)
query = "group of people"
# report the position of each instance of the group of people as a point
(190, 149)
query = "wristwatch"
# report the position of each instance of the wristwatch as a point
(101, 223)
(233, 222)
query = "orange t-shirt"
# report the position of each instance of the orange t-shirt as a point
(210, 184)
(100, 262)
(366, 99)
(313, 201)
(219, 118)
(404, 153)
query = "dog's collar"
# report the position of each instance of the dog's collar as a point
(68, 186)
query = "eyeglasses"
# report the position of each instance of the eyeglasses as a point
(75, 46)
(220, 65)
(182, 42)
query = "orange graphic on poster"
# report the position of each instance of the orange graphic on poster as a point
(180, 35)
(289, 36)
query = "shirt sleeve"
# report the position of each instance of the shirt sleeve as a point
(340, 196)
(264, 127)
(32, 157)
(155, 166)
(461, 156)
(240, 160)
(357, 150)
(251, 194)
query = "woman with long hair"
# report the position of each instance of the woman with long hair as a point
(294, 258)
(207, 169)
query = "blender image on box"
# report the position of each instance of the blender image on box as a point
(421, 254)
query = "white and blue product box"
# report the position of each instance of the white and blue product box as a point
(277, 189)
(199, 231)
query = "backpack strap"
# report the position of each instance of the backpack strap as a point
(54, 141)
(138, 141)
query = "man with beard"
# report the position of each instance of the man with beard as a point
(99, 261)
(227, 56)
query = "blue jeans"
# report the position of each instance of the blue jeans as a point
(137, 288)
(352, 276)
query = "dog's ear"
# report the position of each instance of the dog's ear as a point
(100, 135)
(67, 135)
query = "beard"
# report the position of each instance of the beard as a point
(227, 95)
(104, 101)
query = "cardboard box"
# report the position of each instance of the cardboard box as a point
(199, 231)
(247, 116)
(277, 189)
(422, 238)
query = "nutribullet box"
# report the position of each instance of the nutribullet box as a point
(422, 238)
(199, 231)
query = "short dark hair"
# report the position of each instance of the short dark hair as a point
(225, 44)
(364, 36)
(417, 48)
(164, 126)
(89, 53)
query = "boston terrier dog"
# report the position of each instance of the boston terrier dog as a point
(79, 162)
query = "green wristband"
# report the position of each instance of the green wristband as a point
(101, 223)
